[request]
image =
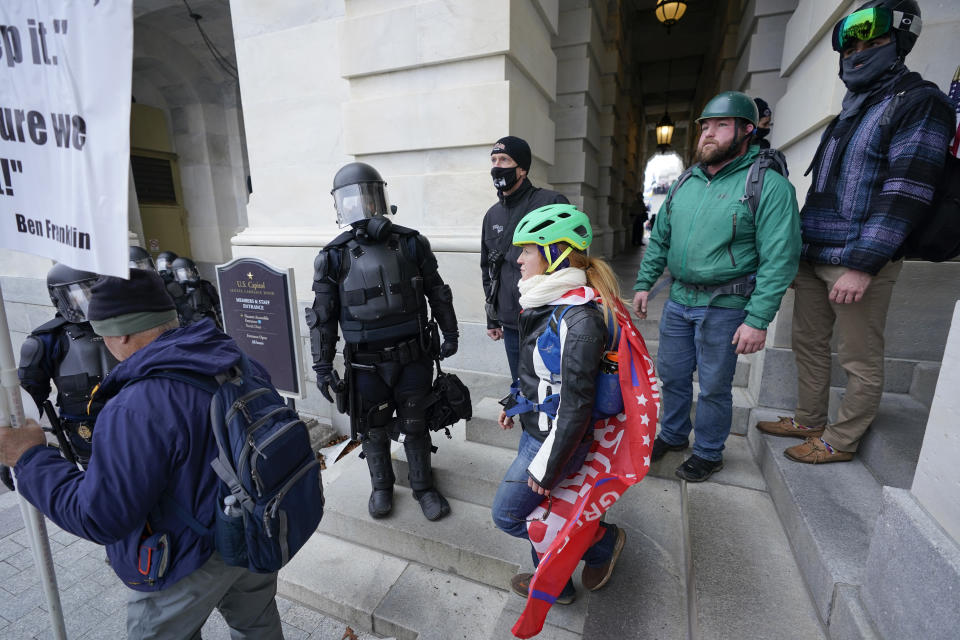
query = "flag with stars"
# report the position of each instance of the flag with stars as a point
(955, 99)
(563, 528)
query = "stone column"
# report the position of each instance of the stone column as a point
(582, 141)
(420, 90)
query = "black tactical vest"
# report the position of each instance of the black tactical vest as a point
(84, 362)
(381, 291)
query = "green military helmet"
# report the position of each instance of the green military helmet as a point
(731, 104)
(555, 223)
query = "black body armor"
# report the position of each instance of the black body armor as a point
(76, 360)
(381, 292)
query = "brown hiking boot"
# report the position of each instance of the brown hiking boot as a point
(789, 428)
(816, 451)
(520, 584)
(593, 578)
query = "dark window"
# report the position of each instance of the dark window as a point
(153, 178)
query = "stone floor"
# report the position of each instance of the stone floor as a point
(92, 597)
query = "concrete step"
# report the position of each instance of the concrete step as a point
(462, 469)
(891, 446)
(745, 579)
(483, 427)
(739, 467)
(828, 511)
(464, 543)
(373, 591)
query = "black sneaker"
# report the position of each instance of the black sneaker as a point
(696, 469)
(660, 448)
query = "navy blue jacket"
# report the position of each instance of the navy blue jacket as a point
(152, 440)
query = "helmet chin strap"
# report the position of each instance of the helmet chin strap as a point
(556, 263)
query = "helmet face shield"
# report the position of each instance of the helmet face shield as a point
(72, 299)
(163, 263)
(143, 263)
(867, 24)
(355, 202)
(186, 274)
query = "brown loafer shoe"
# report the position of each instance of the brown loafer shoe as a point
(789, 428)
(593, 578)
(814, 451)
(520, 584)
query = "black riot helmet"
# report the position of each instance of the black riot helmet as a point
(165, 261)
(70, 291)
(359, 193)
(140, 259)
(900, 18)
(185, 270)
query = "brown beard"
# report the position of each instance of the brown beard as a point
(717, 153)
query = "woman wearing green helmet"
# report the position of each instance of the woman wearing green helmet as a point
(559, 283)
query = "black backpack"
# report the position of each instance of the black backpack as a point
(937, 237)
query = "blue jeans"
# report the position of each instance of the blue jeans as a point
(511, 342)
(697, 338)
(515, 500)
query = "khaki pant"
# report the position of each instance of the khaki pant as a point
(245, 599)
(859, 327)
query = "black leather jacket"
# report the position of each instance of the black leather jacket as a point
(500, 219)
(583, 335)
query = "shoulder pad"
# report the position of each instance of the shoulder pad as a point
(340, 240)
(403, 231)
(321, 264)
(51, 326)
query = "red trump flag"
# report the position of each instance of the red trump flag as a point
(562, 531)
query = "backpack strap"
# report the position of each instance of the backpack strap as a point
(753, 186)
(676, 185)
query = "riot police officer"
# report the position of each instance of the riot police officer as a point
(165, 265)
(165, 268)
(67, 351)
(200, 298)
(140, 259)
(373, 281)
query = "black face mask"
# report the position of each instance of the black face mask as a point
(874, 64)
(763, 132)
(504, 177)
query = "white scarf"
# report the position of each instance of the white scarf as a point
(537, 291)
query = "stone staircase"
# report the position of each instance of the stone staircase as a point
(766, 549)
(701, 561)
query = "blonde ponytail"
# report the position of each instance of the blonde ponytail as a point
(601, 277)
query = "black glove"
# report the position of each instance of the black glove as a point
(324, 378)
(448, 348)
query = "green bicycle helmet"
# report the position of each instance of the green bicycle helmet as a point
(552, 224)
(730, 104)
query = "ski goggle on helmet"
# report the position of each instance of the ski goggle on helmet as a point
(558, 229)
(867, 24)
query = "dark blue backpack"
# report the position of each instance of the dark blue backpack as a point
(271, 495)
(608, 398)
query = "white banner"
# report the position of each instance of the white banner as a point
(65, 68)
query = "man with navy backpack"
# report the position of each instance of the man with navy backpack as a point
(729, 233)
(874, 178)
(152, 461)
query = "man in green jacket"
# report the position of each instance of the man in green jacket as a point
(730, 268)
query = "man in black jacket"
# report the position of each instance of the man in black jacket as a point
(510, 160)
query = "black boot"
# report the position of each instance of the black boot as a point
(433, 505)
(376, 449)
